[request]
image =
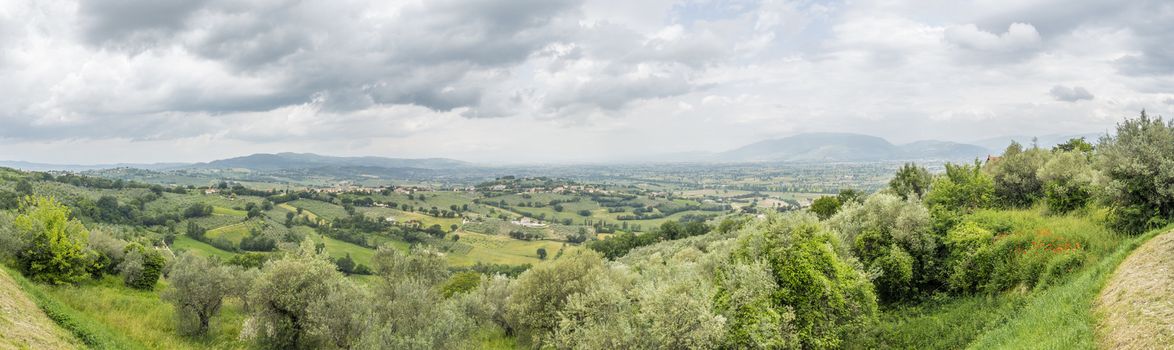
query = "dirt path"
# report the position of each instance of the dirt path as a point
(1137, 303)
(23, 325)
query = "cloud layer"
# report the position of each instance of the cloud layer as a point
(559, 80)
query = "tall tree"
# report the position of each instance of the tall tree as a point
(197, 289)
(911, 181)
(1139, 164)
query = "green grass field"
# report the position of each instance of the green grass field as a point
(142, 317)
(338, 249)
(502, 250)
(185, 243)
(320, 209)
(218, 210)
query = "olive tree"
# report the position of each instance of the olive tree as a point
(1015, 181)
(1138, 164)
(541, 293)
(141, 266)
(197, 288)
(284, 293)
(409, 310)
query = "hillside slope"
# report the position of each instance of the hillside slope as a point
(1137, 304)
(23, 325)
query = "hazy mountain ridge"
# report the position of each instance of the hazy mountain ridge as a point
(847, 147)
(285, 161)
(807, 147)
(33, 166)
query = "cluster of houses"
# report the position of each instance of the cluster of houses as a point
(528, 222)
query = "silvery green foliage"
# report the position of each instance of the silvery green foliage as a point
(197, 289)
(540, 294)
(240, 283)
(132, 265)
(893, 239)
(343, 317)
(1138, 163)
(10, 240)
(1068, 181)
(602, 317)
(412, 315)
(104, 239)
(423, 264)
(658, 296)
(409, 312)
(486, 305)
(676, 305)
(282, 296)
(906, 220)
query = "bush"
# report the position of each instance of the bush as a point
(894, 238)
(826, 206)
(141, 266)
(1139, 165)
(541, 293)
(965, 242)
(1029, 255)
(808, 287)
(1015, 182)
(55, 249)
(1068, 181)
(963, 189)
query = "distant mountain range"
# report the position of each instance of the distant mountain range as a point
(286, 161)
(264, 162)
(845, 147)
(76, 167)
(809, 147)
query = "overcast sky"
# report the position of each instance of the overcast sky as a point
(99, 81)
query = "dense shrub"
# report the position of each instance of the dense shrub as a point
(963, 189)
(997, 251)
(54, 249)
(1068, 181)
(540, 294)
(798, 282)
(141, 266)
(1139, 165)
(894, 238)
(1014, 174)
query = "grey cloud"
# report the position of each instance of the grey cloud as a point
(1021, 40)
(423, 54)
(134, 23)
(615, 92)
(1070, 94)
